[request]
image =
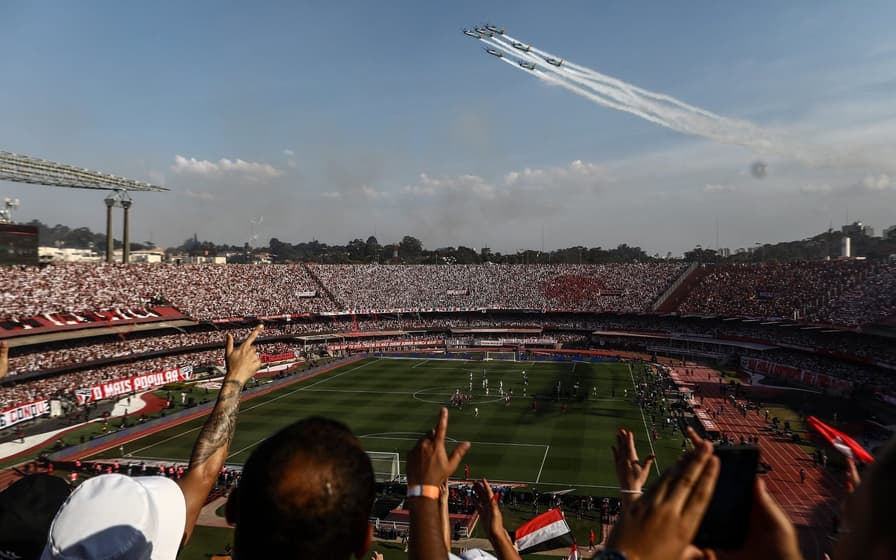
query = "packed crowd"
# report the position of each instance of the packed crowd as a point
(72, 352)
(866, 302)
(842, 292)
(792, 290)
(64, 386)
(583, 287)
(202, 291)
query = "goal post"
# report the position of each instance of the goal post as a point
(500, 356)
(386, 466)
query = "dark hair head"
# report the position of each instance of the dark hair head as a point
(306, 492)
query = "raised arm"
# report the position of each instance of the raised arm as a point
(631, 472)
(493, 521)
(429, 465)
(4, 359)
(213, 442)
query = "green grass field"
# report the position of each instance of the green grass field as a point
(389, 403)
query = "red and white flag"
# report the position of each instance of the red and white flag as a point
(841, 442)
(573, 553)
(544, 532)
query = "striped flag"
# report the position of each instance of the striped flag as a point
(544, 532)
(841, 442)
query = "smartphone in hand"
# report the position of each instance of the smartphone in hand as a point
(727, 519)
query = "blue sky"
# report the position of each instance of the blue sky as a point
(355, 117)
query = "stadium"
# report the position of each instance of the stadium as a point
(116, 378)
(304, 376)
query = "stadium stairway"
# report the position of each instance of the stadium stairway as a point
(671, 299)
(321, 286)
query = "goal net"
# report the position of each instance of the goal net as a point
(501, 356)
(386, 466)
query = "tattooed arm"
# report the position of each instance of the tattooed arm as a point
(4, 359)
(213, 443)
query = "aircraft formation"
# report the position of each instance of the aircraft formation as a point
(489, 31)
(658, 108)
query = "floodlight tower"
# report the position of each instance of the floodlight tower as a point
(126, 237)
(111, 202)
(9, 204)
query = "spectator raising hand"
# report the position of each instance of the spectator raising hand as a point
(631, 472)
(670, 512)
(493, 521)
(4, 358)
(214, 440)
(429, 466)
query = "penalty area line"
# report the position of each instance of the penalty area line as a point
(543, 459)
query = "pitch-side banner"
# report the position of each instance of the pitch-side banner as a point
(808, 377)
(133, 384)
(23, 412)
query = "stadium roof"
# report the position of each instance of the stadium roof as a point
(26, 169)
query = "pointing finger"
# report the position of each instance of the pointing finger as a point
(228, 345)
(252, 336)
(442, 426)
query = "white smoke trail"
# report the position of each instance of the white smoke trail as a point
(672, 113)
(608, 97)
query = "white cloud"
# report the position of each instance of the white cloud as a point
(369, 192)
(200, 195)
(717, 189)
(872, 183)
(331, 194)
(576, 172)
(288, 152)
(813, 188)
(248, 169)
(466, 184)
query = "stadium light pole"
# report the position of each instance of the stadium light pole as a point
(110, 203)
(126, 236)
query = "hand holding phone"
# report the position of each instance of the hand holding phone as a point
(727, 519)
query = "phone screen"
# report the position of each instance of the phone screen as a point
(727, 519)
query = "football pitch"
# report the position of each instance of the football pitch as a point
(390, 403)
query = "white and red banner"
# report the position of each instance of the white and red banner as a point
(804, 376)
(23, 412)
(133, 384)
(385, 344)
(544, 532)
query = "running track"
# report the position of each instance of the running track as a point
(811, 505)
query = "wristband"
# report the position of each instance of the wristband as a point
(423, 491)
(623, 491)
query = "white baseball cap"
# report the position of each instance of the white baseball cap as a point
(112, 517)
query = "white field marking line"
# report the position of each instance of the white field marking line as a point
(420, 364)
(252, 407)
(455, 441)
(656, 463)
(543, 459)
